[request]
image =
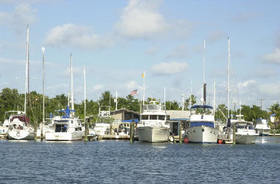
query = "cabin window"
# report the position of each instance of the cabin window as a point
(161, 117)
(78, 129)
(153, 117)
(145, 117)
(61, 128)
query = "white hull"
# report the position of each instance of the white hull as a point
(245, 139)
(64, 136)
(16, 134)
(202, 134)
(153, 134)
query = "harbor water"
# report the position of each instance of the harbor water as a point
(122, 162)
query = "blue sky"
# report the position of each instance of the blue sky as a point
(117, 40)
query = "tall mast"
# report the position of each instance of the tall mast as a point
(26, 69)
(43, 81)
(183, 102)
(164, 97)
(214, 100)
(85, 94)
(144, 86)
(72, 84)
(204, 80)
(204, 65)
(116, 100)
(228, 75)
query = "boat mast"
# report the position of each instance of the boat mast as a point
(43, 81)
(26, 70)
(164, 97)
(144, 86)
(72, 84)
(85, 95)
(204, 80)
(204, 47)
(116, 100)
(228, 75)
(214, 100)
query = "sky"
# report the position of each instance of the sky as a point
(118, 40)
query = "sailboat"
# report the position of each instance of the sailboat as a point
(19, 125)
(66, 127)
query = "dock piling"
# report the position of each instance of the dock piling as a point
(131, 132)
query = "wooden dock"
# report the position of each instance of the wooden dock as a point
(113, 137)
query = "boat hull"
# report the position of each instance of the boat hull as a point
(64, 136)
(245, 139)
(20, 135)
(152, 134)
(202, 134)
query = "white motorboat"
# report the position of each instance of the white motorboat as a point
(153, 126)
(262, 127)
(19, 126)
(245, 132)
(64, 128)
(202, 125)
(101, 128)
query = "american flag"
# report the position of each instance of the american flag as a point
(134, 92)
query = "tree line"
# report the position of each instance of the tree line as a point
(11, 99)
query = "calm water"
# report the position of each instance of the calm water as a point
(122, 162)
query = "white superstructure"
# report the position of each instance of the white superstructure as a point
(153, 126)
(64, 128)
(245, 132)
(262, 127)
(202, 125)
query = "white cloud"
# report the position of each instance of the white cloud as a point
(273, 57)
(179, 52)
(168, 68)
(270, 89)
(246, 84)
(98, 87)
(22, 15)
(132, 85)
(216, 36)
(152, 51)
(141, 19)
(245, 17)
(76, 36)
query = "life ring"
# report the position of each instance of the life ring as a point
(171, 138)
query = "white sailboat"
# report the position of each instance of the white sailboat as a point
(19, 125)
(66, 127)
(153, 126)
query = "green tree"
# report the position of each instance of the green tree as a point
(221, 113)
(172, 105)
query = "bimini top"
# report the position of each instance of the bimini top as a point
(202, 107)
